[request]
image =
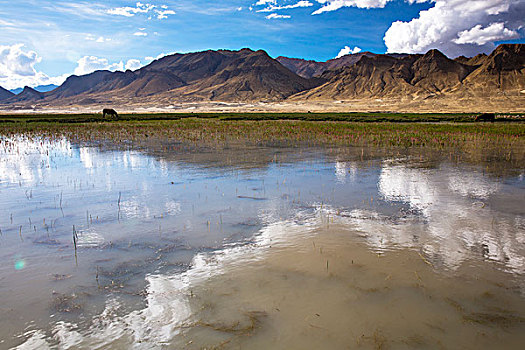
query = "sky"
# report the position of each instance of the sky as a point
(45, 41)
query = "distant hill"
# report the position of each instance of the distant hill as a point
(28, 94)
(5, 94)
(39, 88)
(253, 76)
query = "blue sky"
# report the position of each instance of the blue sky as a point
(44, 41)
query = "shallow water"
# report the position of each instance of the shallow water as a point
(258, 248)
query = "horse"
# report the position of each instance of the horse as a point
(110, 112)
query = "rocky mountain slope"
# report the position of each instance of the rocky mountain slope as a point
(27, 95)
(502, 72)
(309, 69)
(425, 76)
(248, 76)
(5, 94)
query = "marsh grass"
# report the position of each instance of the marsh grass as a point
(455, 136)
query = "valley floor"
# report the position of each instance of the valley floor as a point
(503, 104)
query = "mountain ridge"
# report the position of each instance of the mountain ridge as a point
(422, 76)
(5, 94)
(247, 76)
(39, 88)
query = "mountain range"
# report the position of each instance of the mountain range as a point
(248, 76)
(39, 88)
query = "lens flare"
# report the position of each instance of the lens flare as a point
(20, 264)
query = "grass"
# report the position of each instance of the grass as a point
(455, 135)
(347, 117)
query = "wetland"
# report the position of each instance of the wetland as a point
(192, 233)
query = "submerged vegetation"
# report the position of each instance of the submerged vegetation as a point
(455, 135)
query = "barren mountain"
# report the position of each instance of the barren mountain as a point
(412, 76)
(472, 61)
(28, 94)
(502, 72)
(419, 81)
(309, 69)
(246, 76)
(96, 82)
(5, 94)
(222, 75)
(39, 88)
(303, 68)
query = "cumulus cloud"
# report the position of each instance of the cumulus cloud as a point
(17, 68)
(347, 51)
(89, 64)
(452, 26)
(481, 36)
(458, 27)
(161, 12)
(133, 64)
(13, 60)
(277, 16)
(140, 34)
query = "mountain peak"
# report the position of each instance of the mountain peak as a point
(435, 54)
(506, 57)
(248, 75)
(5, 94)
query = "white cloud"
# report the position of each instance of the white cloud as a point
(347, 50)
(100, 39)
(13, 60)
(133, 64)
(274, 7)
(140, 34)
(89, 64)
(451, 24)
(333, 5)
(128, 11)
(17, 68)
(481, 36)
(276, 16)
(163, 14)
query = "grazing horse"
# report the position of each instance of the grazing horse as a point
(485, 117)
(110, 112)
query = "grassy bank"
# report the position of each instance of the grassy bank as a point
(494, 145)
(346, 117)
(218, 130)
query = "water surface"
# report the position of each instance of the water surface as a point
(267, 247)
